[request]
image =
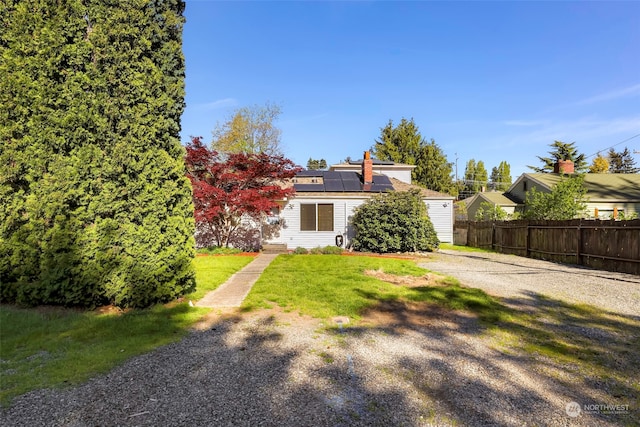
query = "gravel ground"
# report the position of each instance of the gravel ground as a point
(513, 276)
(415, 365)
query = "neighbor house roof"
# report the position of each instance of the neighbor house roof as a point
(495, 198)
(600, 186)
(424, 192)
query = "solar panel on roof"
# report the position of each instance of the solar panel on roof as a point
(308, 187)
(350, 176)
(381, 179)
(333, 185)
(332, 175)
(352, 185)
(309, 173)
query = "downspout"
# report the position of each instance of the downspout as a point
(346, 226)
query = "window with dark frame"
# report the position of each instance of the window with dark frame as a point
(307, 217)
(316, 217)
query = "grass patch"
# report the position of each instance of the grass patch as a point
(337, 286)
(328, 285)
(464, 248)
(331, 285)
(52, 347)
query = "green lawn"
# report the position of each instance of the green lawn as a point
(332, 285)
(39, 346)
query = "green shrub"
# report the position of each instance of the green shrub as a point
(95, 206)
(331, 250)
(490, 212)
(394, 222)
(300, 251)
(316, 251)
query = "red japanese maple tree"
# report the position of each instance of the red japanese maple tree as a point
(227, 187)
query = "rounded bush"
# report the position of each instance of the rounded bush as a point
(394, 222)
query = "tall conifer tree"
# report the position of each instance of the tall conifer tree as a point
(96, 207)
(404, 144)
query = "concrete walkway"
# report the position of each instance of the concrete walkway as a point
(232, 292)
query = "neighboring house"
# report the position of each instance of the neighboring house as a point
(399, 171)
(607, 193)
(324, 203)
(473, 203)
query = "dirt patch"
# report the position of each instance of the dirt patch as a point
(429, 279)
(110, 309)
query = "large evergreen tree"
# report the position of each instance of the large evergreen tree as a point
(562, 151)
(315, 164)
(622, 162)
(95, 204)
(404, 144)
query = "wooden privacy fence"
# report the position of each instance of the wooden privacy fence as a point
(606, 245)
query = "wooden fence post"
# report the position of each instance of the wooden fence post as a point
(579, 244)
(527, 239)
(493, 235)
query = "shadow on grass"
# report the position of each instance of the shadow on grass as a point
(443, 356)
(51, 347)
(237, 372)
(578, 353)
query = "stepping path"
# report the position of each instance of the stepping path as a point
(232, 292)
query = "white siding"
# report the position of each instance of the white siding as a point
(605, 209)
(441, 215)
(399, 174)
(293, 237)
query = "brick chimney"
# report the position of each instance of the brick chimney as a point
(563, 166)
(367, 168)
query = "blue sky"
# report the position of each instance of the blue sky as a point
(489, 81)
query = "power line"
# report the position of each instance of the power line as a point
(621, 142)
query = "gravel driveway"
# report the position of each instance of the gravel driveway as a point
(513, 276)
(418, 366)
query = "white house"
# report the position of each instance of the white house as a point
(320, 212)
